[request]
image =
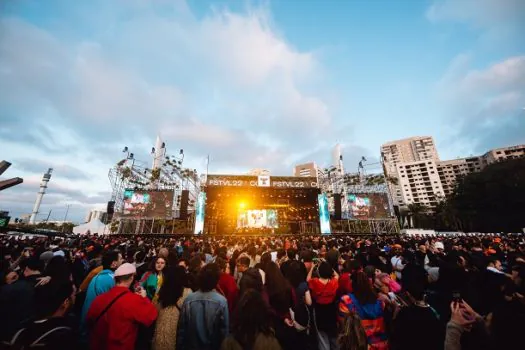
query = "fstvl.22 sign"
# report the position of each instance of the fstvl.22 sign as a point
(261, 181)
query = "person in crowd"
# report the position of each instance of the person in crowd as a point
(302, 309)
(95, 266)
(368, 308)
(51, 329)
(114, 316)
(204, 320)
(139, 261)
(253, 325)
(418, 323)
(17, 300)
(227, 285)
(171, 298)
(324, 295)
(251, 279)
(152, 280)
(281, 299)
(100, 284)
(243, 264)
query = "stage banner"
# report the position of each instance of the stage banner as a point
(261, 181)
(199, 213)
(324, 214)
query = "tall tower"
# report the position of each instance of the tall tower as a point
(337, 159)
(158, 153)
(41, 192)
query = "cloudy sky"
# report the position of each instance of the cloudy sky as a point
(254, 84)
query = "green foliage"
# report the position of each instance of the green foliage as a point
(491, 200)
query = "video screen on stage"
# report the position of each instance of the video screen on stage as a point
(199, 214)
(368, 206)
(324, 214)
(148, 204)
(258, 219)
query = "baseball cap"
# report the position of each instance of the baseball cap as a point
(125, 269)
(439, 245)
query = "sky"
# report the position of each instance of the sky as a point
(254, 84)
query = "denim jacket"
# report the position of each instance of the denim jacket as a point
(204, 321)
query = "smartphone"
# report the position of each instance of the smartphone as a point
(456, 297)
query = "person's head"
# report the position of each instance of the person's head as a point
(221, 263)
(251, 279)
(159, 264)
(243, 263)
(125, 275)
(325, 270)
(174, 280)
(164, 252)
(183, 263)
(58, 269)
(291, 253)
(296, 273)
(252, 319)
(111, 260)
(363, 290)
(140, 256)
(495, 263)
(209, 277)
(34, 266)
(54, 299)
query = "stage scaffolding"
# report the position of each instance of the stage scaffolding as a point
(370, 226)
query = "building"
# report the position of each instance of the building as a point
(96, 214)
(420, 183)
(450, 171)
(259, 172)
(394, 153)
(421, 178)
(309, 169)
(337, 159)
(500, 154)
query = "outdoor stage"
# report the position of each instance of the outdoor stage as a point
(261, 205)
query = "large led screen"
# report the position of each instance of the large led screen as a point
(199, 213)
(148, 204)
(324, 214)
(368, 206)
(258, 219)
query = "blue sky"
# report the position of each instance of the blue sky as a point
(254, 84)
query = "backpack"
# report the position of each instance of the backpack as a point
(31, 338)
(352, 335)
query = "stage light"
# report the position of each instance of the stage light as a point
(242, 205)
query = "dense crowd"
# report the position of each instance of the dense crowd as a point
(310, 292)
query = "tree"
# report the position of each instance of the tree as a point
(417, 213)
(492, 200)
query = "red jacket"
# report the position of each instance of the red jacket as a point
(118, 327)
(229, 289)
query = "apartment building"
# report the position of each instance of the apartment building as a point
(420, 183)
(500, 154)
(450, 171)
(394, 153)
(309, 169)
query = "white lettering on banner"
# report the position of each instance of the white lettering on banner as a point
(262, 182)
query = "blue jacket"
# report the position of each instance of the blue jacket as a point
(100, 284)
(204, 321)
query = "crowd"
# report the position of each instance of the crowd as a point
(230, 293)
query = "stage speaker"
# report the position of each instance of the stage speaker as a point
(337, 206)
(184, 199)
(111, 208)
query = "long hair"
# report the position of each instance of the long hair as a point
(252, 318)
(275, 281)
(172, 285)
(154, 263)
(363, 290)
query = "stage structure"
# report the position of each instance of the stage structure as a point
(152, 199)
(264, 204)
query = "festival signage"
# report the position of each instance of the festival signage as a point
(261, 181)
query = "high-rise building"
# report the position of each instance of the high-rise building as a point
(309, 169)
(394, 153)
(96, 214)
(420, 183)
(450, 171)
(499, 154)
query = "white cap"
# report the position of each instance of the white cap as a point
(125, 269)
(439, 245)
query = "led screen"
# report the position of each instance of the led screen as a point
(199, 213)
(368, 206)
(148, 204)
(324, 214)
(258, 218)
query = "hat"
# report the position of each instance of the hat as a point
(439, 245)
(125, 269)
(397, 246)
